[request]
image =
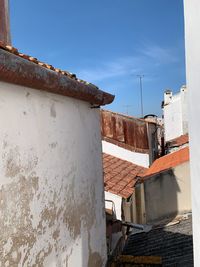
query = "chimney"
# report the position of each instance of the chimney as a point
(4, 22)
(167, 97)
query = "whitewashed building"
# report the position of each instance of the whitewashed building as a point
(192, 42)
(51, 180)
(175, 111)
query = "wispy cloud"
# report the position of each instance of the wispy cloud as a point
(147, 58)
(159, 55)
(116, 68)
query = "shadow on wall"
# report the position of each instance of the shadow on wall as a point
(173, 243)
(168, 194)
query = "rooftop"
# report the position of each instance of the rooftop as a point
(167, 162)
(124, 131)
(120, 176)
(173, 242)
(25, 70)
(179, 141)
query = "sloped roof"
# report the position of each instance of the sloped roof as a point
(120, 175)
(179, 141)
(173, 242)
(167, 162)
(124, 131)
(25, 70)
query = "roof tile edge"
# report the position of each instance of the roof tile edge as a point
(27, 71)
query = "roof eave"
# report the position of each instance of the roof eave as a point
(19, 71)
(125, 196)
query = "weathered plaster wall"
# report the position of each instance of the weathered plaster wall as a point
(168, 193)
(141, 159)
(134, 207)
(51, 185)
(192, 41)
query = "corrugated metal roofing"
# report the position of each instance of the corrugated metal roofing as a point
(127, 132)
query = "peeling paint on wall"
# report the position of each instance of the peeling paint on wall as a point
(51, 184)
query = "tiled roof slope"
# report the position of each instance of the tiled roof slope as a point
(25, 70)
(179, 141)
(120, 175)
(173, 243)
(15, 51)
(167, 162)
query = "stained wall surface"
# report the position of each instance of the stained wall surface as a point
(51, 185)
(168, 193)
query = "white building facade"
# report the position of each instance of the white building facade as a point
(192, 41)
(141, 159)
(175, 110)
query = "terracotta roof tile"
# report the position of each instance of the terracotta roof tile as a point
(15, 51)
(179, 141)
(167, 162)
(8, 69)
(120, 176)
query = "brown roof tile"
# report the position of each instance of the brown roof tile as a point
(120, 176)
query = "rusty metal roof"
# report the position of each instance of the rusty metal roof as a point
(127, 132)
(25, 70)
(120, 176)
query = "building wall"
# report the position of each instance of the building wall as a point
(51, 185)
(134, 207)
(153, 136)
(141, 159)
(184, 100)
(168, 193)
(176, 115)
(117, 200)
(192, 41)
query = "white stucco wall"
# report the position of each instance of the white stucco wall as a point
(51, 185)
(117, 200)
(176, 115)
(119, 152)
(185, 111)
(192, 41)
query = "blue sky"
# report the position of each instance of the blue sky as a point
(108, 42)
